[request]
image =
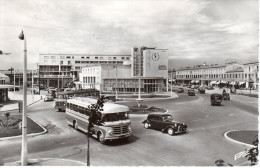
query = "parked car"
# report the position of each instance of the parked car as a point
(215, 99)
(209, 88)
(180, 90)
(188, 86)
(191, 92)
(226, 96)
(165, 123)
(48, 97)
(201, 90)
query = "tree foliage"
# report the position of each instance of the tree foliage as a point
(94, 117)
(253, 153)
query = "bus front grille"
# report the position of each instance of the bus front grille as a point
(121, 129)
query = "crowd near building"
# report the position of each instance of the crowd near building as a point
(230, 74)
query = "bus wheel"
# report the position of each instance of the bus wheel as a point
(101, 138)
(75, 125)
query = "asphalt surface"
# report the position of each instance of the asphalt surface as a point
(201, 146)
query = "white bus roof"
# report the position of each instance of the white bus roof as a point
(108, 107)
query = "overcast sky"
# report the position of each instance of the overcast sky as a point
(193, 31)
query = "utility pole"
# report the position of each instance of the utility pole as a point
(139, 100)
(171, 81)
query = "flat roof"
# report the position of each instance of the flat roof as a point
(108, 107)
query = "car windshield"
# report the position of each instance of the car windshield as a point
(167, 118)
(115, 116)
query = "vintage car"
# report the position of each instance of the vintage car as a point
(191, 92)
(201, 90)
(226, 96)
(215, 99)
(48, 97)
(180, 90)
(165, 123)
(209, 88)
(60, 104)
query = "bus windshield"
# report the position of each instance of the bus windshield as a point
(115, 116)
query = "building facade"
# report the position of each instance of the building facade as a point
(16, 76)
(148, 64)
(232, 73)
(57, 70)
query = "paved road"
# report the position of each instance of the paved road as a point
(204, 143)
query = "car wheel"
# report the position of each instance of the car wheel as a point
(101, 138)
(75, 125)
(170, 131)
(146, 125)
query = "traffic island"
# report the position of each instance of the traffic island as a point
(245, 137)
(144, 109)
(10, 126)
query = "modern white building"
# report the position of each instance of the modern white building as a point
(58, 70)
(148, 64)
(230, 74)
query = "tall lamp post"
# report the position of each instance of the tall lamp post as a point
(24, 117)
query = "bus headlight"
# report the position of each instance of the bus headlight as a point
(110, 132)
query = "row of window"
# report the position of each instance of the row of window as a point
(223, 76)
(85, 57)
(79, 109)
(97, 62)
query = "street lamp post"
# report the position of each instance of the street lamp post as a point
(32, 88)
(24, 117)
(171, 82)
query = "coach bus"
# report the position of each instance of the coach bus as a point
(113, 121)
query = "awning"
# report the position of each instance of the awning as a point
(213, 82)
(192, 81)
(232, 83)
(217, 83)
(197, 81)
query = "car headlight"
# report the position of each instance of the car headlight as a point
(110, 132)
(129, 128)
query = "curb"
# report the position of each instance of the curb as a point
(33, 161)
(28, 135)
(18, 108)
(235, 141)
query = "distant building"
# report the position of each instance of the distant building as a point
(150, 64)
(229, 74)
(4, 79)
(17, 76)
(57, 70)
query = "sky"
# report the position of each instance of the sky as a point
(193, 31)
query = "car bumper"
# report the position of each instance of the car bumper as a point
(113, 137)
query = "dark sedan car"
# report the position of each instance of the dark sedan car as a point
(191, 92)
(180, 90)
(165, 123)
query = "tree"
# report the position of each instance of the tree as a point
(94, 119)
(253, 153)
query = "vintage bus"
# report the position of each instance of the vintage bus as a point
(113, 121)
(60, 103)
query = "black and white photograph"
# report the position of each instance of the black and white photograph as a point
(129, 83)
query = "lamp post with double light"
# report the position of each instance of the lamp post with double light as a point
(24, 116)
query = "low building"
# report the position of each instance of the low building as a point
(230, 74)
(150, 65)
(4, 92)
(4, 79)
